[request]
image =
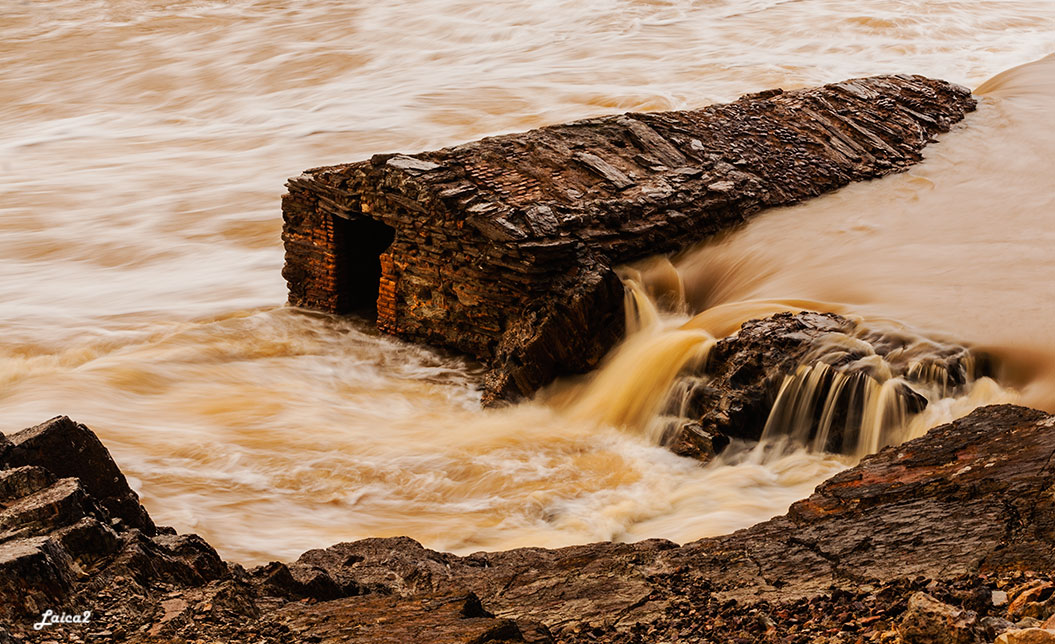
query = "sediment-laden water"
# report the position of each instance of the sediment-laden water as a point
(143, 148)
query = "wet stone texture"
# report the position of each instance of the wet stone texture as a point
(503, 248)
(946, 538)
(732, 394)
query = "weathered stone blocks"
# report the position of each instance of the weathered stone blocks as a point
(503, 248)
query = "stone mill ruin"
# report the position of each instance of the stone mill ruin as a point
(504, 248)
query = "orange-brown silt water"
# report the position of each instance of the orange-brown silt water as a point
(143, 149)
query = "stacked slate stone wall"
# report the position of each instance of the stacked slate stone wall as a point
(504, 248)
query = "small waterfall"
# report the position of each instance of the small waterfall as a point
(641, 311)
(854, 392)
(853, 405)
(833, 411)
(630, 389)
(654, 289)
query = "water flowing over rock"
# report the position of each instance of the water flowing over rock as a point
(949, 534)
(503, 248)
(818, 378)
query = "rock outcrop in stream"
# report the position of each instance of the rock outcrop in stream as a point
(821, 378)
(947, 538)
(503, 248)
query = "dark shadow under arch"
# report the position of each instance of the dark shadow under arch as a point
(359, 243)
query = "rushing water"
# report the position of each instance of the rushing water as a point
(143, 148)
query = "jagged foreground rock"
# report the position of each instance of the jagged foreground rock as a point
(503, 248)
(947, 538)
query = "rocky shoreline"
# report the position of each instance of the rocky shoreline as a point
(946, 538)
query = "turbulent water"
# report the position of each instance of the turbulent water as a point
(143, 148)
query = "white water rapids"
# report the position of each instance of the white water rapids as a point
(144, 146)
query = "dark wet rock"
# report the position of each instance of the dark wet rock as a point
(35, 574)
(68, 449)
(19, 482)
(297, 581)
(504, 248)
(191, 553)
(911, 545)
(88, 542)
(744, 371)
(66, 526)
(5, 448)
(690, 439)
(552, 336)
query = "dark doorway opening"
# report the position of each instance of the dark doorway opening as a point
(359, 243)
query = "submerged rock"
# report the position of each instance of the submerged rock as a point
(690, 439)
(744, 372)
(915, 540)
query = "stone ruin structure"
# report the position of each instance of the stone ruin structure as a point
(503, 249)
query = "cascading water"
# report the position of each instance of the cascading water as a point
(852, 393)
(830, 410)
(858, 406)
